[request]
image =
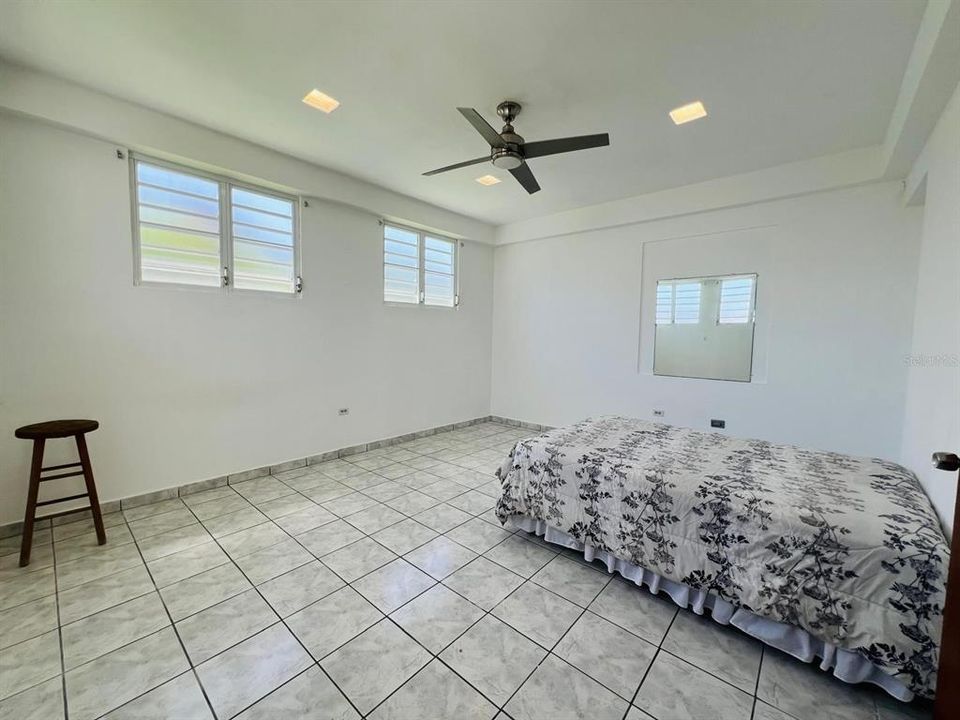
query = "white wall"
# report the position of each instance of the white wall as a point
(190, 384)
(932, 420)
(835, 295)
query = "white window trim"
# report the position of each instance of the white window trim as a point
(226, 229)
(421, 234)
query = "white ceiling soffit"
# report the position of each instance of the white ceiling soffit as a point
(931, 75)
(782, 82)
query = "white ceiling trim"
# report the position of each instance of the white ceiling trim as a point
(854, 167)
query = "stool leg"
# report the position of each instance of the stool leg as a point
(91, 489)
(27, 542)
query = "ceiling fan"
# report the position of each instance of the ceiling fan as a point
(510, 152)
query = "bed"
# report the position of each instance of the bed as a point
(819, 554)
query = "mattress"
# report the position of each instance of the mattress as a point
(847, 550)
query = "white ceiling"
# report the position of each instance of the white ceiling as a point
(782, 81)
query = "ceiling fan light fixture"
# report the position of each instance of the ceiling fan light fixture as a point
(488, 180)
(321, 101)
(506, 159)
(688, 113)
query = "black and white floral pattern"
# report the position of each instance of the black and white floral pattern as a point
(847, 548)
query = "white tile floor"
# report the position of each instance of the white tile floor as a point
(379, 586)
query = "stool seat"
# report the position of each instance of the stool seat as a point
(56, 429)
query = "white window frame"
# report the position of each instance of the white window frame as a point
(421, 234)
(225, 184)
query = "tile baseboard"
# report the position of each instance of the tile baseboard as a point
(520, 423)
(169, 493)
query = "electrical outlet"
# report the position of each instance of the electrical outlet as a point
(343, 411)
(718, 423)
(658, 413)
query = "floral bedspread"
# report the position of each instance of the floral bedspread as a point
(847, 548)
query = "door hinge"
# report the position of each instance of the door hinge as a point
(456, 300)
(225, 276)
(298, 284)
(421, 296)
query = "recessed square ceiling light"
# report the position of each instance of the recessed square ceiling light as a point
(687, 113)
(488, 180)
(321, 101)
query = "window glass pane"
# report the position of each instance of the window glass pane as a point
(267, 221)
(401, 284)
(432, 243)
(401, 265)
(173, 180)
(438, 276)
(400, 235)
(664, 303)
(263, 241)
(179, 227)
(736, 300)
(398, 248)
(437, 289)
(686, 304)
(405, 260)
(178, 202)
(247, 198)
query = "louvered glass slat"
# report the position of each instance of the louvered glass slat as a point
(179, 227)
(400, 235)
(263, 241)
(404, 260)
(686, 303)
(178, 201)
(438, 276)
(401, 265)
(401, 284)
(399, 248)
(173, 180)
(664, 314)
(267, 236)
(736, 301)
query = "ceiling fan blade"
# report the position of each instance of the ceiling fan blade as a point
(482, 126)
(525, 177)
(465, 163)
(564, 145)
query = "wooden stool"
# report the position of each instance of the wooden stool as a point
(40, 433)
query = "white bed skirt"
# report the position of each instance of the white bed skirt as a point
(846, 665)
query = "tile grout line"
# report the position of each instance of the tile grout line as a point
(467, 629)
(650, 666)
(176, 632)
(387, 616)
(56, 598)
(281, 620)
(756, 685)
(559, 640)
